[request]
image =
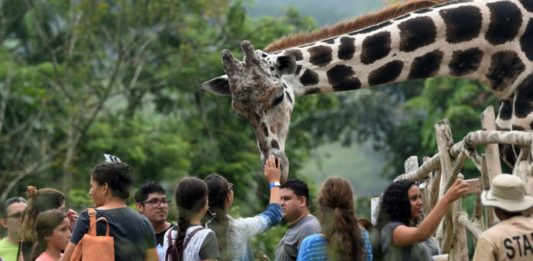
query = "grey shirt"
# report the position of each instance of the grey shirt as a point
(420, 251)
(288, 246)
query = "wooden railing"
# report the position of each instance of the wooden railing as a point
(438, 172)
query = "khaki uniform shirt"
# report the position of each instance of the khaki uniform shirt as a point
(511, 239)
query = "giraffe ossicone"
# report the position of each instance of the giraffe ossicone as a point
(490, 41)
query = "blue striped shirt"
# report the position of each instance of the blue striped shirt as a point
(313, 248)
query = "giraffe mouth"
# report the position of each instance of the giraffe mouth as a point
(283, 161)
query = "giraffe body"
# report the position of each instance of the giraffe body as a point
(486, 40)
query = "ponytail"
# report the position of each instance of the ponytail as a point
(191, 197)
(339, 223)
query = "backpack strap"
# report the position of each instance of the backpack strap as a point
(171, 247)
(19, 251)
(190, 236)
(93, 220)
(169, 235)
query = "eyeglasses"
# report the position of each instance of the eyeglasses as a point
(156, 201)
(230, 187)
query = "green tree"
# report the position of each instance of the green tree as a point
(83, 78)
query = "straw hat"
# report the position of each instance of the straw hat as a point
(507, 192)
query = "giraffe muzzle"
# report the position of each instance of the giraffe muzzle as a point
(283, 161)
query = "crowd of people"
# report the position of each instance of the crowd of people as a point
(41, 228)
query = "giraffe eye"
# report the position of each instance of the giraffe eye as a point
(278, 100)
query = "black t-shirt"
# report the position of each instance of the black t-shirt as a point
(160, 237)
(133, 234)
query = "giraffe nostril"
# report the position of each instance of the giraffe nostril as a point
(274, 144)
(265, 129)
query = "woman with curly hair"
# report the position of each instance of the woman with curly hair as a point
(342, 237)
(401, 211)
(189, 240)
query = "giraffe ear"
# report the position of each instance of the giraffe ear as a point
(286, 64)
(218, 85)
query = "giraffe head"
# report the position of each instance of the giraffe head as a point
(259, 94)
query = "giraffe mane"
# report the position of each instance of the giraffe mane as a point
(350, 25)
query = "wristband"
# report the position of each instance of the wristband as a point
(274, 184)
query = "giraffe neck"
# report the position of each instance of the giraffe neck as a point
(489, 41)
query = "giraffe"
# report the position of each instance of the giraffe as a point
(490, 41)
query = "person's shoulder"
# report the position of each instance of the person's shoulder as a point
(169, 228)
(209, 231)
(85, 213)
(519, 220)
(210, 234)
(315, 238)
(123, 212)
(305, 227)
(44, 257)
(309, 221)
(493, 231)
(311, 217)
(392, 225)
(170, 236)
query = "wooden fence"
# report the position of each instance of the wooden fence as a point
(438, 173)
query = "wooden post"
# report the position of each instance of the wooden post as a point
(444, 143)
(492, 156)
(374, 210)
(472, 226)
(459, 251)
(454, 238)
(435, 188)
(410, 164)
(492, 151)
(485, 185)
(426, 196)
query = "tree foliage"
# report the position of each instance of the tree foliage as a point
(83, 78)
(399, 117)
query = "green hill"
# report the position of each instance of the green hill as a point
(324, 12)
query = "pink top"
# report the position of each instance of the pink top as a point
(45, 257)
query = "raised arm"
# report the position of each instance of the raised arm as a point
(273, 174)
(406, 236)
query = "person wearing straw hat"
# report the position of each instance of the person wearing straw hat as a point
(512, 237)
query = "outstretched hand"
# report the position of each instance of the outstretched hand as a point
(457, 190)
(272, 169)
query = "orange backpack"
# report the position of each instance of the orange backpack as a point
(93, 247)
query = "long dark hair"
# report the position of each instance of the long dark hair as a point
(339, 224)
(191, 197)
(219, 188)
(45, 224)
(395, 205)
